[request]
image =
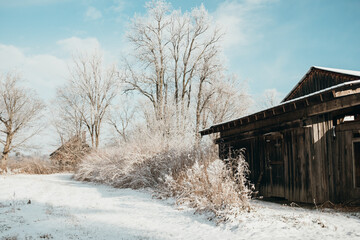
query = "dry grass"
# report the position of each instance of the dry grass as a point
(31, 165)
(9, 238)
(353, 206)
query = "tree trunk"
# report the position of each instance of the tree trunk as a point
(198, 113)
(4, 161)
(4, 158)
(5, 152)
(97, 135)
(92, 139)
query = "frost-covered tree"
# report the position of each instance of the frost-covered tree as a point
(176, 64)
(20, 112)
(170, 47)
(88, 95)
(270, 98)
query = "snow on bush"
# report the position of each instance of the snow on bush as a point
(170, 164)
(194, 177)
(123, 169)
(142, 162)
(211, 186)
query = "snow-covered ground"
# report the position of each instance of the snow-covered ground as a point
(57, 207)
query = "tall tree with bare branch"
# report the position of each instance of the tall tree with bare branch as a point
(121, 119)
(148, 36)
(20, 111)
(172, 48)
(194, 43)
(66, 115)
(89, 93)
(229, 100)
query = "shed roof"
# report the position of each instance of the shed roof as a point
(330, 70)
(343, 71)
(343, 89)
(67, 144)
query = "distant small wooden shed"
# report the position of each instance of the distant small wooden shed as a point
(308, 147)
(71, 152)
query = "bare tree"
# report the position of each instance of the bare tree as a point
(229, 100)
(66, 115)
(20, 110)
(193, 44)
(121, 119)
(88, 94)
(270, 98)
(67, 120)
(175, 51)
(209, 73)
(148, 36)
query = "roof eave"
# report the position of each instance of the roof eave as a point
(216, 128)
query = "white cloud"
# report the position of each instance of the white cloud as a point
(42, 72)
(239, 21)
(92, 13)
(118, 6)
(75, 45)
(10, 57)
(45, 72)
(230, 20)
(84, 46)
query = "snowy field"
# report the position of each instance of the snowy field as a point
(57, 207)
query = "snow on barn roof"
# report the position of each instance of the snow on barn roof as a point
(334, 70)
(339, 86)
(343, 71)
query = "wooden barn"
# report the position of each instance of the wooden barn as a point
(71, 152)
(306, 148)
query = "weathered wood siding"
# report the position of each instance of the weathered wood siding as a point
(343, 161)
(301, 150)
(317, 165)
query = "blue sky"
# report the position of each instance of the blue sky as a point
(270, 44)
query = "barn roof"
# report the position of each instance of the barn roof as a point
(344, 75)
(67, 144)
(290, 106)
(343, 71)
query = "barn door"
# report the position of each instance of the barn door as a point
(275, 164)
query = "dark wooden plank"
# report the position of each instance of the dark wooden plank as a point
(285, 147)
(330, 151)
(349, 164)
(317, 162)
(301, 164)
(310, 186)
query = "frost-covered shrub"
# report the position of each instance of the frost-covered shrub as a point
(196, 178)
(104, 166)
(141, 162)
(124, 169)
(210, 186)
(173, 167)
